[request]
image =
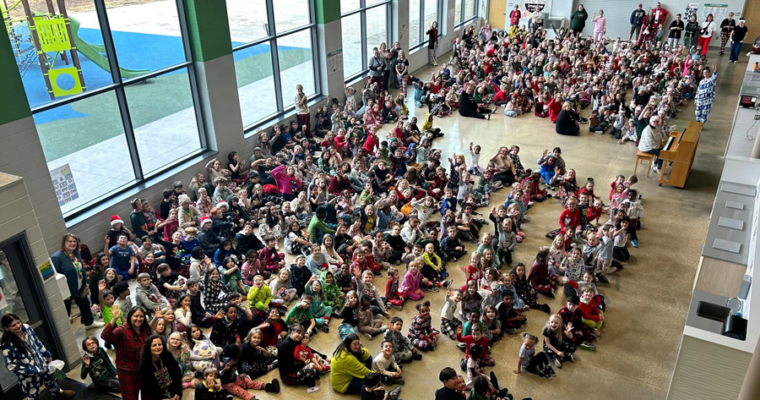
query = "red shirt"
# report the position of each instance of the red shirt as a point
(554, 108)
(569, 219)
(370, 144)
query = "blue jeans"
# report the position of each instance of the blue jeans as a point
(656, 152)
(735, 49)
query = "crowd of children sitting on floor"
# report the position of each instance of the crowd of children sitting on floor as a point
(351, 206)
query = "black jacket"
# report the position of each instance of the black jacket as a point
(432, 37)
(244, 243)
(150, 387)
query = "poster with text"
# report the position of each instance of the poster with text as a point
(64, 185)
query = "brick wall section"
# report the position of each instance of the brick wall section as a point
(18, 215)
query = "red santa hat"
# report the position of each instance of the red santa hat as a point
(204, 220)
(223, 203)
(116, 220)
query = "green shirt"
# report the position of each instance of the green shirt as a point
(107, 313)
(318, 225)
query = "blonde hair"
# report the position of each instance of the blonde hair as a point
(559, 326)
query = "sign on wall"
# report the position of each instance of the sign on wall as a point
(689, 10)
(334, 61)
(719, 11)
(64, 185)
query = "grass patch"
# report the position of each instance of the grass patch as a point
(148, 102)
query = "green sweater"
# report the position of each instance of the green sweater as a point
(318, 225)
(100, 367)
(346, 367)
(260, 298)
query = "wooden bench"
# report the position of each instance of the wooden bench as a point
(641, 156)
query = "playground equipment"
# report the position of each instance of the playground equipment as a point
(48, 37)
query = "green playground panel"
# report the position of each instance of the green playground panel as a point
(53, 34)
(73, 72)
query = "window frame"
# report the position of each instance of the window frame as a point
(362, 11)
(439, 18)
(118, 85)
(462, 12)
(271, 40)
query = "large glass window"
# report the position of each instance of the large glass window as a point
(112, 97)
(364, 25)
(422, 14)
(464, 12)
(274, 51)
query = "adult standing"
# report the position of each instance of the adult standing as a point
(660, 16)
(128, 340)
(468, 107)
(706, 93)
(691, 32)
(26, 357)
(432, 45)
(600, 26)
(737, 38)
(161, 376)
(578, 20)
(377, 68)
(537, 18)
(468, 37)
(302, 110)
(705, 33)
(291, 373)
(504, 167)
(637, 18)
(675, 32)
(514, 17)
(402, 70)
(726, 29)
(350, 364)
(567, 124)
(68, 261)
(653, 141)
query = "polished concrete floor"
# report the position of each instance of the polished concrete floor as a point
(647, 302)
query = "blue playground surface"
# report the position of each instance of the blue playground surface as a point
(137, 51)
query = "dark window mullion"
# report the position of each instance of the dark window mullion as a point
(315, 59)
(363, 37)
(276, 74)
(121, 97)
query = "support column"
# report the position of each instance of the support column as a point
(756, 147)
(330, 44)
(751, 386)
(211, 48)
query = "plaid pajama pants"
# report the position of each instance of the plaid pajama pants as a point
(240, 386)
(723, 40)
(449, 327)
(129, 382)
(548, 284)
(305, 119)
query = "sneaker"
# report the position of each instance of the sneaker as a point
(393, 393)
(368, 336)
(416, 356)
(512, 331)
(447, 283)
(635, 243)
(557, 363)
(463, 364)
(545, 375)
(588, 346)
(377, 273)
(324, 328)
(95, 324)
(399, 381)
(550, 371)
(571, 358)
(434, 289)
